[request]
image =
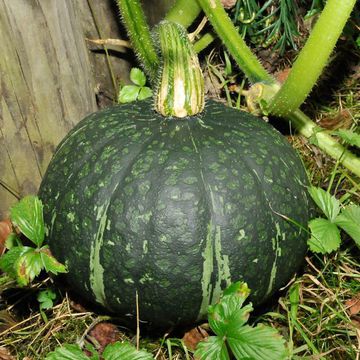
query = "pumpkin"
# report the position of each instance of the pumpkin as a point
(174, 210)
(171, 211)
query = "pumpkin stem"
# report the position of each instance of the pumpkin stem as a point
(181, 89)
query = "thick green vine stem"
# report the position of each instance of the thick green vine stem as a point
(181, 89)
(134, 20)
(325, 141)
(234, 43)
(183, 12)
(312, 58)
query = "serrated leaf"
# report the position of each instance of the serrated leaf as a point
(12, 240)
(27, 215)
(50, 264)
(350, 137)
(9, 259)
(125, 351)
(67, 352)
(28, 266)
(137, 77)
(128, 93)
(45, 298)
(212, 348)
(349, 221)
(257, 343)
(229, 314)
(145, 92)
(328, 204)
(325, 236)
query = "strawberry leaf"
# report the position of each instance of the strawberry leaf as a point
(257, 343)
(328, 204)
(325, 236)
(145, 92)
(349, 221)
(212, 348)
(68, 352)
(28, 266)
(137, 77)
(125, 351)
(27, 215)
(49, 263)
(8, 260)
(128, 93)
(228, 313)
(45, 298)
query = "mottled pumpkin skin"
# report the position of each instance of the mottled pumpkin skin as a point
(174, 209)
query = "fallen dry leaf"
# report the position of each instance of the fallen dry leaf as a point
(342, 119)
(228, 4)
(353, 305)
(5, 354)
(104, 333)
(5, 230)
(194, 336)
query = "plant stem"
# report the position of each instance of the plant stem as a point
(203, 42)
(183, 12)
(134, 20)
(312, 58)
(180, 92)
(324, 141)
(234, 43)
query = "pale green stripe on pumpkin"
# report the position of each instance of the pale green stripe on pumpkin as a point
(277, 250)
(208, 268)
(222, 265)
(96, 269)
(211, 293)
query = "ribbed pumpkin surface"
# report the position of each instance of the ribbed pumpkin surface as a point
(174, 209)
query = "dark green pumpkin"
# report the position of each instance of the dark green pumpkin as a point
(174, 209)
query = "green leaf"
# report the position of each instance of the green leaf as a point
(349, 221)
(49, 263)
(27, 215)
(350, 137)
(212, 348)
(28, 266)
(325, 236)
(145, 92)
(9, 259)
(294, 297)
(259, 343)
(228, 314)
(128, 93)
(328, 204)
(12, 241)
(125, 351)
(137, 77)
(45, 298)
(68, 352)
(228, 67)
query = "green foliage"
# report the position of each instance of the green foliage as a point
(272, 24)
(115, 351)
(21, 262)
(46, 299)
(228, 320)
(325, 234)
(138, 91)
(125, 351)
(350, 137)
